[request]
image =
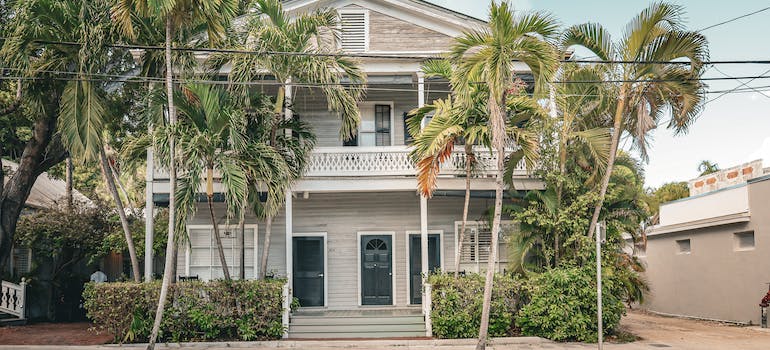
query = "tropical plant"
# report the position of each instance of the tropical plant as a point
(647, 88)
(310, 40)
(707, 167)
(487, 55)
(214, 16)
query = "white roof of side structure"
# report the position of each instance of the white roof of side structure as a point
(47, 192)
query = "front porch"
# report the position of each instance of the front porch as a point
(361, 323)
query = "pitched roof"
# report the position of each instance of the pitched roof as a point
(47, 191)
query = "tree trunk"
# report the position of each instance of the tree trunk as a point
(41, 152)
(266, 247)
(68, 184)
(618, 122)
(110, 181)
(560, 190)
(218, 239)
(498, 139)
(469, 159)
(168, 269)
(242, 242)
(122, 188)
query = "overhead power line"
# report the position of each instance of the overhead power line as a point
(376, 56)
(734, 19)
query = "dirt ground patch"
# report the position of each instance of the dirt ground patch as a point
(679, 333)
(52, 334)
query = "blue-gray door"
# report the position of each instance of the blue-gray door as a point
(415, 263)
(376, 270)
(308, 267)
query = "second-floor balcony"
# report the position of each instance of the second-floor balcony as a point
(392, 161)
(380, 161)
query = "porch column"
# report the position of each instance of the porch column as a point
(149, 217)
(423, 199)
(289, 242)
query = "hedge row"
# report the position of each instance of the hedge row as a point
(195, 311)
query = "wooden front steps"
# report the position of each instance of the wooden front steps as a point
(363, 323)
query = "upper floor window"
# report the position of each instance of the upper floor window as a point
(376, 125)
(354, 30)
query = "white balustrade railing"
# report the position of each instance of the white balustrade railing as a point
(13, 298)
(384, 161)
(392, 161)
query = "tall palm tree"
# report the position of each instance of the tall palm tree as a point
(647, 91)
(210, 131)
(215, 16)
(269, 28)
(581, 110)
(488, 55)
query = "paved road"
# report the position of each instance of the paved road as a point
(656, 333)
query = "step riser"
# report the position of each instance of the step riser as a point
(298, 335)
(325, 321)
(359, 328)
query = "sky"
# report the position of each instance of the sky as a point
(733, 128)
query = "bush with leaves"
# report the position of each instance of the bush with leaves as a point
(196, 311)
(562, 304)
(456, 305)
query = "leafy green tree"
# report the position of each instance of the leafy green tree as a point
(214, 17)
(488, 55)
(645, 91)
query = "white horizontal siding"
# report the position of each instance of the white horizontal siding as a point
(343, 215)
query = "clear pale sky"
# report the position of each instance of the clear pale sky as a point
(732, 129)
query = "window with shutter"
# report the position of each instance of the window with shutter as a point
(354, 31)
(478, 240)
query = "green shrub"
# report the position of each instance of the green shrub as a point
(562, 305)
(456, 305)
(195, 311)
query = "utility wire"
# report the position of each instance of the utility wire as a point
(377, 56)
(734, 19)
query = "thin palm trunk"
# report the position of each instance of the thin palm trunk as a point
(168, 268)
(122, 188)
(469, 158)
(241, 242)
(611, 161)
(68, 184)
(266, 247)
(498, 139)
(110, 181)
(218, 239)
(560, 190)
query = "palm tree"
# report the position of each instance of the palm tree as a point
(707, 167)
(269, 28)
(210, 130)
(487, 55)
(581, 109)
(646, 91)
(215, 16)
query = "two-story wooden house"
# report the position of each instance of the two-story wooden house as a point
(351, 233)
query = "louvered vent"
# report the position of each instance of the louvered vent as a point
(354, 31)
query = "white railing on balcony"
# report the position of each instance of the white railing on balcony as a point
(13, 298)
(383, 161)
(389, 161)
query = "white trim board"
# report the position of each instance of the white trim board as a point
(393, 260)
(409, 263)
(326, 263)
(210, 227)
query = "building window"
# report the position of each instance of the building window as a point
(382, 125)
(683, 245)
(22, 261)
(354, 30)
(743, 240)
(476, 245)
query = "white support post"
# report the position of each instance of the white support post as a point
(289, 242)
(427, 307)
(149, 217)
(286, 298)
(423, 209)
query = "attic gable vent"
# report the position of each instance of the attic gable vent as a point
(354, 31)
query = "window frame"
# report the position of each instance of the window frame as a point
(737, 241)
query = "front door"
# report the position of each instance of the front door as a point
(415, 263)
(376, 270)
(308, 266)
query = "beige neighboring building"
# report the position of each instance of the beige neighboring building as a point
(710, 255)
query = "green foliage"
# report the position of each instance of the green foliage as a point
(562, 305)
(195, 311)
(456, 305)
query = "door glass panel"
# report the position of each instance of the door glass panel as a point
(308, 270)
(415, 263)
(382, 124)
